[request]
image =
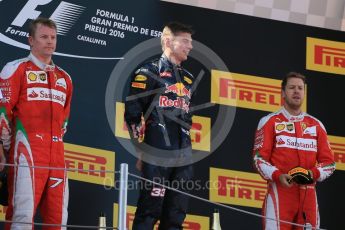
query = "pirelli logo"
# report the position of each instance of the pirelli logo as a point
(200, 131)
(325, 56)
(246, 91)
(95, 160)
(192, 222)
(338, 148)
(2, 212)
(237, 188)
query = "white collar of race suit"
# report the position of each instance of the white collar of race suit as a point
(292, 118)
(40, 64)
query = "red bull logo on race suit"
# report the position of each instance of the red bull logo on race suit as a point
(180, 90)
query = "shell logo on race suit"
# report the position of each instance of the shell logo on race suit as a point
(284, 127)
(36, 77)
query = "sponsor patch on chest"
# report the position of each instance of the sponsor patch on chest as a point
(288, 127)
(61, 82)
(310, 131)
(296, 143)
(36, 77)
(44, 94)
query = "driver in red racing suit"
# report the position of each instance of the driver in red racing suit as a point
(33, 115)
(284, 140)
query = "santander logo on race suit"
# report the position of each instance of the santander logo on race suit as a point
(43, 94)
(296, 143)
(33, 94)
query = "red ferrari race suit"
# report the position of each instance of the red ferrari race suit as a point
(282, 142)
(34, 114)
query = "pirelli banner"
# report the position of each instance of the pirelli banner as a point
(2, 212)
(246, 91)
(90, 164)
(238, 62)
(237, 188)
(338, 147)
(325, 55)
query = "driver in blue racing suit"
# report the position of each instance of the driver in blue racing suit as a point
(158, 110)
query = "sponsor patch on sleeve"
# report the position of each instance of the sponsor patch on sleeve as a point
(188, 80)
(259, 139)
(165, 74)
(140, 78)
(139, 85)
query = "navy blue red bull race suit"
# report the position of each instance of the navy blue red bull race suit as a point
(161, 92)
